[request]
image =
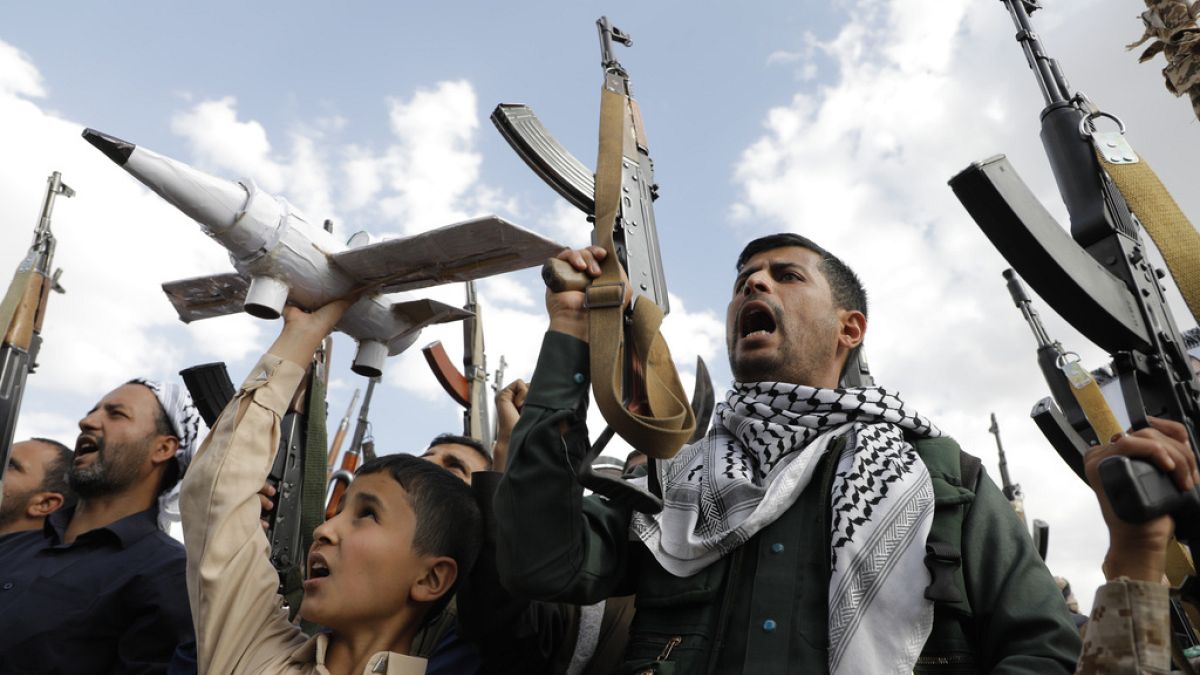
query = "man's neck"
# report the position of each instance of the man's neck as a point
(97, 512)
(22, 525)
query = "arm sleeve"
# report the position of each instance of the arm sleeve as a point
(552, 543)
(240, 622)
(515, 635)
(1021, 621)
(1129, 630)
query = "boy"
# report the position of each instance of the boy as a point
(408, 530)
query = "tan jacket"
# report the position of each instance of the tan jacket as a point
(1129, 630)
(241, 624)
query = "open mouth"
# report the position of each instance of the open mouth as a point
(85, 445)
(317, 567)
(756, 319)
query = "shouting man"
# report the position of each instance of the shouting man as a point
(815, 529)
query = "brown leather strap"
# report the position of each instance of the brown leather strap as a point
(664, 420)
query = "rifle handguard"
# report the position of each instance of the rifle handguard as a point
(560, 276)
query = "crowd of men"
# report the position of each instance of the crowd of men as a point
(814, 529)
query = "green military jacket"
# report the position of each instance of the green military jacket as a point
(763, 608)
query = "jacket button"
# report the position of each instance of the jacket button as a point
(579, 378)
(777, 548)
(7, 585)
(769, 626)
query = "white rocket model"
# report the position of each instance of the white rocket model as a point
(281, 257)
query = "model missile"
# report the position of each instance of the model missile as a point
(282, 257)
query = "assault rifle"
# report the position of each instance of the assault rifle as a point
(21, 315)
(211, 391)
(1012, 492)
(339, 436)
(649, 410)
(1098, 278)
(353, 455)
(468, 388)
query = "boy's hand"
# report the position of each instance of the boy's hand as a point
(303, 331)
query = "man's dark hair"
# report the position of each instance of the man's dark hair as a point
(848, 292)
(55, 477)
(474, 444)
(448, 518)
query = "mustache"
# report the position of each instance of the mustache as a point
(774, 308)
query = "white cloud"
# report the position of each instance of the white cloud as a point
(226, 145)
(506, 290)
(566, 224)
(18, 75)
(116, 243)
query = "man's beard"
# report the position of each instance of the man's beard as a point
(115, 469)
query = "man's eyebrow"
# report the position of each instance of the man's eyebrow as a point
(16, 465)
(746, 271)
(114, 407)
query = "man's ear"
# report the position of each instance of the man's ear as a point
(164, 449)
(440, 574)
(43, 504)
(854, 328)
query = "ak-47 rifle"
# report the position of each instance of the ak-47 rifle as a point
(468, 388)
(634, 380)
(298, 476)
(1099, 279)
(21, 315)
(1012, 492)
(1076, 389)
(351, 458)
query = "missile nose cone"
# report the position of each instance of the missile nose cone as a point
(114, 148)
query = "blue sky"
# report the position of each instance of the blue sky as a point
(839, 120)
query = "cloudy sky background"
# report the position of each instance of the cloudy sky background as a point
(840, 120)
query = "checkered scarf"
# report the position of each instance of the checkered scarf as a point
(752, 466)
(186, 424)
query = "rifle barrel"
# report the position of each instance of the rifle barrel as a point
(1050, 78)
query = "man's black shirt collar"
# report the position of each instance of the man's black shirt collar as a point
(125, 532)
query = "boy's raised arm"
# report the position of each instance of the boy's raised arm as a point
(240, 623)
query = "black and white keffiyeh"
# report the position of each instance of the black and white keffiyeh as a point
(185, 422)
(759, 456)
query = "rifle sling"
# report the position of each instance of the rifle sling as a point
(1170, 229)
(312, 491)
(669, 421)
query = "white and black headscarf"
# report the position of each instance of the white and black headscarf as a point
(185, 423)
(760, 455)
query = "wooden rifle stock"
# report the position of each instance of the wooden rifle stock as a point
(340, 480)
(339, 436)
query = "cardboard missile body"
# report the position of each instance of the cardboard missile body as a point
(282, 257)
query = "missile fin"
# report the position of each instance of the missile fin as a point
(425, 312)
(472, 249)
(206, 297)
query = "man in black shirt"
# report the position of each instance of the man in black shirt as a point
(101, 588)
